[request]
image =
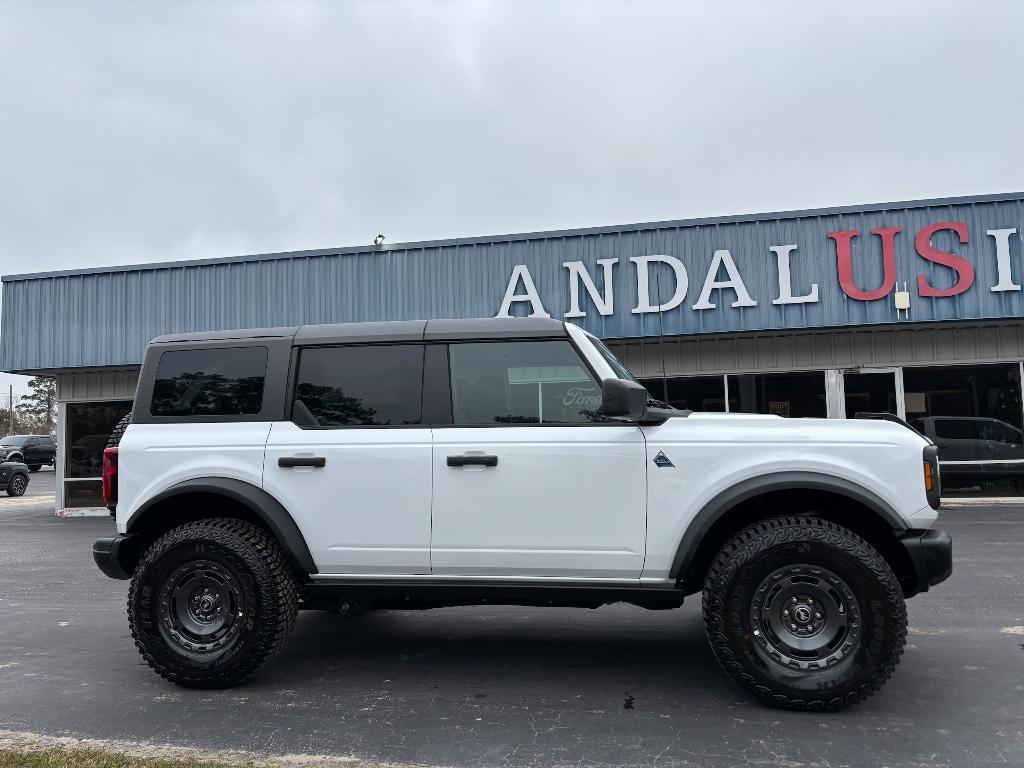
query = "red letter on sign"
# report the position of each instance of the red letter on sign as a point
(964, 270)
(843, 258)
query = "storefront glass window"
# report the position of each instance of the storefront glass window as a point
(973, 414)
(782, 394)
(87, 426)
(694, 393)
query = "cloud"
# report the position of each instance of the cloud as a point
(187, 130)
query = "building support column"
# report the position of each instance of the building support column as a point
(58, 493)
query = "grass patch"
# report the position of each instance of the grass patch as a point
(64, 757)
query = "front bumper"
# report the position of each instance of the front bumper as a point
(116, 556)
(931, 552)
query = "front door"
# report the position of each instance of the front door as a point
(872, 390)
(353, 464)
(528, 480)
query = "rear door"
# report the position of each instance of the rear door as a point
(353, 463)
(529, 481)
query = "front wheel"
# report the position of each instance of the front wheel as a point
(35, 467)
(17, 486)
(211, 602)
(805, 614)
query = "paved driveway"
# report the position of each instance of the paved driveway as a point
(512, 686)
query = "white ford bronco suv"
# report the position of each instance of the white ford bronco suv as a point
(503, 461)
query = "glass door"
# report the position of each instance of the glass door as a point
(872, 390)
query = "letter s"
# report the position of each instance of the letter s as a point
(962, 267)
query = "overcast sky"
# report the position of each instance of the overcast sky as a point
(137, 132)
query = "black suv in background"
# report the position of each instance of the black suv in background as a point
(33, 450)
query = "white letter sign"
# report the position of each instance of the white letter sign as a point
(1002, 238)
(711, 282)
(578, 274)
(785, 281)
(643, 288)
(521, 272)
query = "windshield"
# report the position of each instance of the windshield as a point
(12, 440)
(620, 370)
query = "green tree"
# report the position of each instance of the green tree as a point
(37, 411)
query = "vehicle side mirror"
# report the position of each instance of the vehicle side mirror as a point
(622, 399)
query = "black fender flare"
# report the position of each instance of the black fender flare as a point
(269, 510)
(711, 512)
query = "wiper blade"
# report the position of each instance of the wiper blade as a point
(652, 402)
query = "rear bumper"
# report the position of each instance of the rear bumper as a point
(116, 556)
(931, 552)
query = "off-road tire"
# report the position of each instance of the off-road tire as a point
(35, 467)
(115, 437)
(267, 597)
(17, 486)
(734, 596)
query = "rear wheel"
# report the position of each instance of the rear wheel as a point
(211, 602)
(17, 486)
(805, 614)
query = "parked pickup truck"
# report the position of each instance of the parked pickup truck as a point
(503, 461)
(975, 451)
(31, 450)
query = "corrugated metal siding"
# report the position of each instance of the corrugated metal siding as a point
(104, 318)
(97, 385)
(840, 348)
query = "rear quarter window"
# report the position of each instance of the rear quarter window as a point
(210, 382)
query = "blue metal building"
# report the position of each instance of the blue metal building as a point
(818, 312)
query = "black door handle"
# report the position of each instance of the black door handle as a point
(473, 461)
(302, 461)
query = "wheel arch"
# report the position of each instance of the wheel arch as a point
(205, 497)
(786, 493)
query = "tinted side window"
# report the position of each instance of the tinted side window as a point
(999, 433)
(210, 382)
(359, 386)
(955, 429)
(522, 382)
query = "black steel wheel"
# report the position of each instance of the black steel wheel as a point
(202, 607)
(804, 616)
(211, 602)
(804, 613)
(17, 486)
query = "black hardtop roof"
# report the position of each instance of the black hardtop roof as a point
(398, 330)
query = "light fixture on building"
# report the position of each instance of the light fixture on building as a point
(378, 240)
(901, 298)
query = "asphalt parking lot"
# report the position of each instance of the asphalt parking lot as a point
(510, 686)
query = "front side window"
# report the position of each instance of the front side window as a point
(363, 385)
(210, 382)
(522, 382)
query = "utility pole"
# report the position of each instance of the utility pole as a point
(10, 400)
